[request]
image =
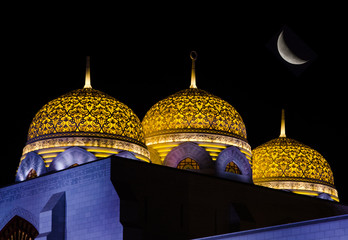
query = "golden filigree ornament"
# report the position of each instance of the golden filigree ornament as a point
(193, 112)
(86, 112)
(284, 163)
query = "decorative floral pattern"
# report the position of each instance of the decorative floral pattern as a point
(86, 112)
(285, 159)
(193, 110)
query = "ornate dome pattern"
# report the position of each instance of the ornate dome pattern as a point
(285, 159)
(86, 112)
(193, 110)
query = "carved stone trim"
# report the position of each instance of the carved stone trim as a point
(304, 186)
(198, 137)
(86, 142)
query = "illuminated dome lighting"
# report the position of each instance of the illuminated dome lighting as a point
(284, 163)
(194, 115)
(194, 110)
(85, 118)
(86, 112)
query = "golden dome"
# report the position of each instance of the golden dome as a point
(81, 126)
(283, 159)
(86, 112)
(284, 163)
(194, 110)
(194, 115)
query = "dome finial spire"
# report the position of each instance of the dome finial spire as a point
(282, 125)
(88, 74)
(193, 56)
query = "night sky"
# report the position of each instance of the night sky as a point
(143, 62)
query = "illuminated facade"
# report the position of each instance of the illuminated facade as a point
(191, 129)
(92, 170)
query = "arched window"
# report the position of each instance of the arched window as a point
(32, 174)
(188, 164)
(18, 229)
(232, 168)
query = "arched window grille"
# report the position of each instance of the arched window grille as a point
(18, 229)
(188, 164)
(232, 168)
(32, 174)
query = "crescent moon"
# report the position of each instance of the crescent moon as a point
(286, 53)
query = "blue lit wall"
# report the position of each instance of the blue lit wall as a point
(77, 203)
(159, 202)
(319, 229)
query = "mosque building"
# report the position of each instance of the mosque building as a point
(91, 169)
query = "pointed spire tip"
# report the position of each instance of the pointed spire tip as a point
(282, 125)
(193, 56)
(88, 73)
